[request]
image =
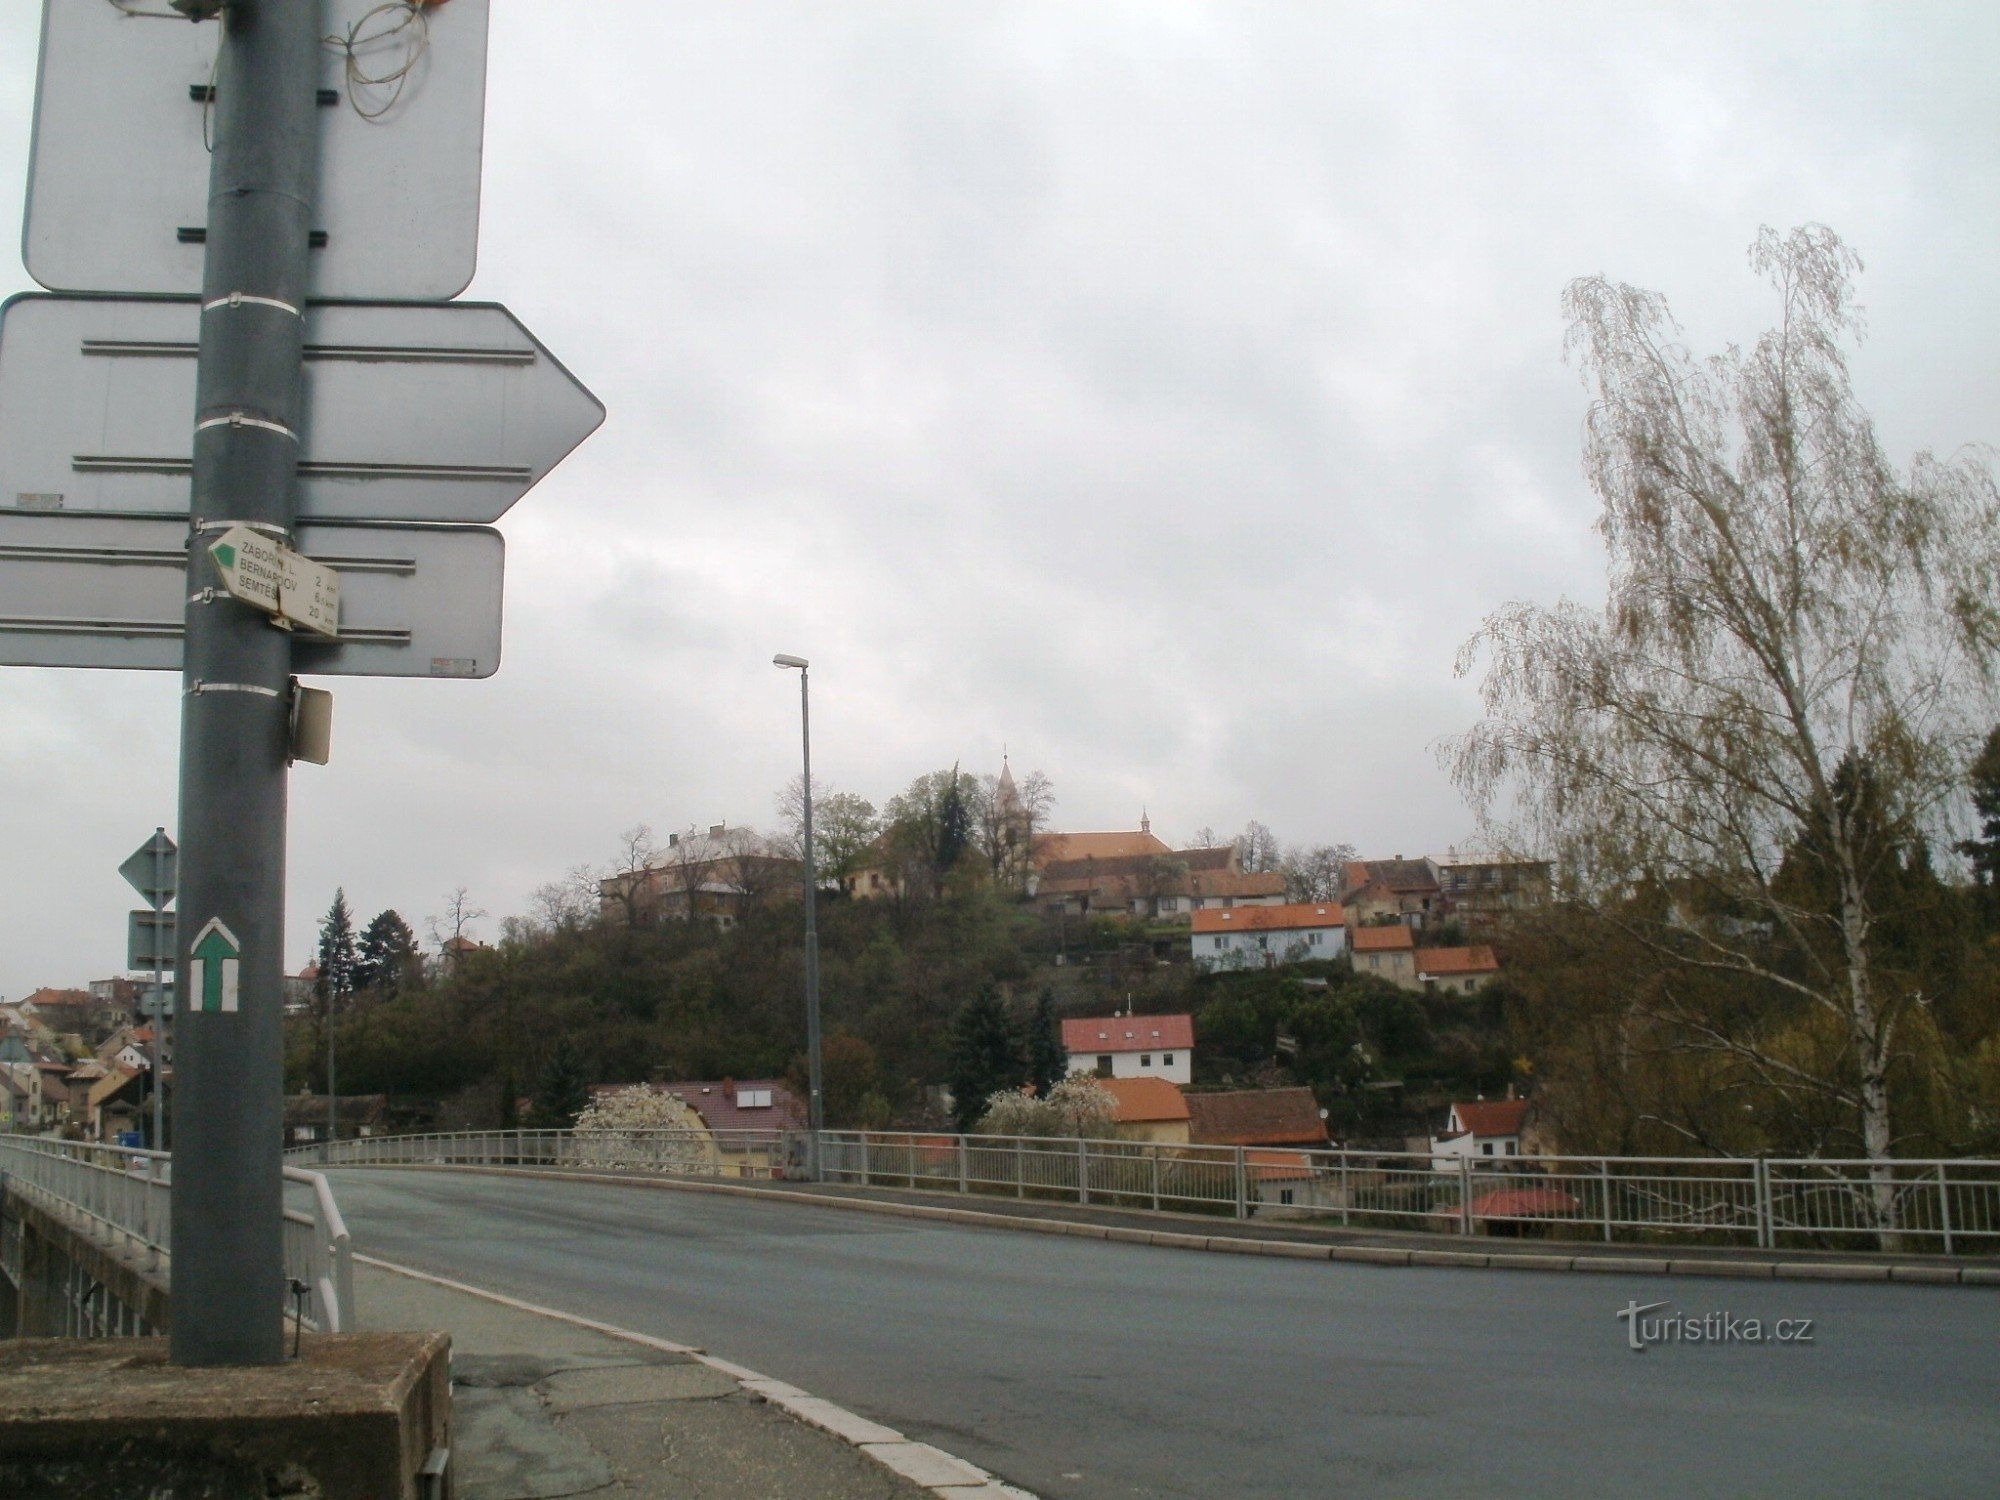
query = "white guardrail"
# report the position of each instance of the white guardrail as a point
(1948, 1206)
(124, 1198)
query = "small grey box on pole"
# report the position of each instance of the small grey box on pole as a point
(229, 1274)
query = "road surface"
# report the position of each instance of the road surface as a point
(1082, 1368)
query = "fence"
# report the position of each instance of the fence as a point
(1948, 1206)
(123, 1199)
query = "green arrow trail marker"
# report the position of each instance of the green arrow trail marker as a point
(215, 960)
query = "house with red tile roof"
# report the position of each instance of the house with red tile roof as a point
(1459, 971)
(1387, 952)
(1149, 1109)
(1262, 937)
(1256, 1117)
(1483, 1130)
(1131, 1046)
(1399, 889)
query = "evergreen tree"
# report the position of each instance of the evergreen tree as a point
(955, 824)
(337, 955)
(387, 949)
(1046, 1059)
(985, 1056)
(563, 1091)
(1984, 851)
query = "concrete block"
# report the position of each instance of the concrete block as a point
(1532, 1262)
(1372, 1255)
(924, 1464)
(1819, 1270)
(837, 1420)
(1295, 1250)
(1468, 1258)
(1627, 1265)
(1174, 1241)
(352, 1419)
(1979, 1275)
(1752, 1269)
(1228, 1245)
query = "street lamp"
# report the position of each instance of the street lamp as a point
(815, 1109)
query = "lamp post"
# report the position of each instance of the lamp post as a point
(815, 1109)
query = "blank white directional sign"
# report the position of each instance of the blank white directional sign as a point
(118, 176)
(110, 591)
(442, 413)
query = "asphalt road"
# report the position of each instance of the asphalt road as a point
(1083, 1368)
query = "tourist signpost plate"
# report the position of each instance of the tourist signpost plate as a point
(272, 577)
(79, 590)
(150, 870)
(448, 413)
(118, 173)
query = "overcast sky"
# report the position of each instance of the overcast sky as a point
(1159, 391)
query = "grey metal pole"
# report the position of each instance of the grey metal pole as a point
(229, 1276)
(332, 1087)
(815, 1108)
(159, 1142)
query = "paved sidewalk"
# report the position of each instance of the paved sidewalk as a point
(545, 1405)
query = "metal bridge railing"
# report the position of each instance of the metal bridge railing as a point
(1948, 1206)
(124, 1198)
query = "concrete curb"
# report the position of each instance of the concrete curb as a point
(1371, 1255)
(933, 1468)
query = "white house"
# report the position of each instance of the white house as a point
(1261, 937)
(1132, 1046)
(1483, 1131)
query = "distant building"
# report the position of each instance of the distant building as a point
(1387, 952)
(1131, 1046)
(1136, 875)
(1261, 937)
(1481, 1130)
(358, 1116)
(1399, 889)
(1480, 891)
(1256, 1117)
(714, 876)
(1149, 1109)
(1463, 971)
(742, 1104)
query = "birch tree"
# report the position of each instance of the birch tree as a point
(1782, 604)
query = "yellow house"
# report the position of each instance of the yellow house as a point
(1149, 1109)
(1388, 952)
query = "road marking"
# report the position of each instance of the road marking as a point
(939, 1472)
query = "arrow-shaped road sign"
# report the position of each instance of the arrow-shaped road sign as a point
(118, 176)
(213, 965)
(80, 590)
(413, 413)
(273, 577)
(151, 869)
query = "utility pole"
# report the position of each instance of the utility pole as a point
(228, 1268)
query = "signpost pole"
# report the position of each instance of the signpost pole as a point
(228, 1107)
(159, 1141)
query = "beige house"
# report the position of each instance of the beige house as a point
(714, 876)
(1457, 971)
(1149, 1109)
(1480, 891)
(1402, 890)
(1387, 952)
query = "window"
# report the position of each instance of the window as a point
(1167, 1060)
(1104, 1062)
(1512, 1149)
(753, 1098)
(1485, 1148)
(1145, 1059)
(1284, 1195)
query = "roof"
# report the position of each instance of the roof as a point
(1208, 883)
(1145, 1100)
(1439, 962)
(1278, 1166)
(1525, 1203)
(1391, 874)
(1051, 847)
(717, 1102)
(1128, 1034)
(1395, 938)
(351, 1109)
(1300, 916)
(1256, 1117)
(1492, 1116)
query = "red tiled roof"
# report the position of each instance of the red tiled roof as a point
(1256, 1117)
(1478, 959)
(717, 1105)
(1278, 1166)
(1395, 938)
(1145, 1100)
(1492, 1116)
(1095, 1034)
(1297, 917)
(1051, 847)
(1525, 1203)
